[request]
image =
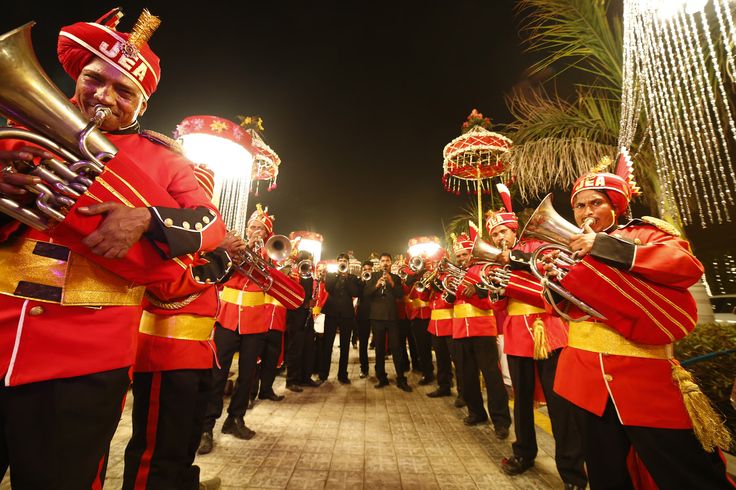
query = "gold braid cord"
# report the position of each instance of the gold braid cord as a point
(172, 305)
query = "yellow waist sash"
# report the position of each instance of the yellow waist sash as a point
(418, 303)
(183, 326)
(466, 310)
(518, 308)
(247, 298)
(443, 314)
(71, 281)
(596, 337)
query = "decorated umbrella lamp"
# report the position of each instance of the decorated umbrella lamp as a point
(309, 241)
(424, 246)
(265, 161)
(227, 149)
(474, 158)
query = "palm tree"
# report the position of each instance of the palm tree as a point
(555, 139)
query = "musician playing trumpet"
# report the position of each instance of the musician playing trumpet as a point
(533, 340)
(474, 332)
(619, 370)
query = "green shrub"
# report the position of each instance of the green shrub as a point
(714, 375)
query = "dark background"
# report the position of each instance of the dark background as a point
(358, 99)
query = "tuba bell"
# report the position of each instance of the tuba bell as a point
(546, 224)
(29, 98)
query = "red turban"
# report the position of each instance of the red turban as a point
(261, 215)
(79, 42)
(613, 186)
(502, 218)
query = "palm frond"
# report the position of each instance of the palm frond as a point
(578, 32)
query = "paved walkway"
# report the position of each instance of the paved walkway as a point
(356, 436)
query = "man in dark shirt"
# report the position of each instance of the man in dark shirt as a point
(339, 312)
(363, 317)
(300, 334)
(384, 289)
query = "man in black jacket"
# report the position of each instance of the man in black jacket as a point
(384, 289)
(339, 312)
(363, 317)
(300, 333)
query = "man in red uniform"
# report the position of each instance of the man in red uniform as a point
(533, 341)
(243, 322)
(620, 372)
(67, 326)
(474, 331)
(172, 377)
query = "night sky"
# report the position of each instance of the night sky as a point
(358, 99)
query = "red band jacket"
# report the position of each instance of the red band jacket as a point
(639, 383)
(440, 316)
(473, 316)
(63, 316)
(524, 305)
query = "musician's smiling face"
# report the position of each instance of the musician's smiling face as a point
(256, 230)
(100, 83)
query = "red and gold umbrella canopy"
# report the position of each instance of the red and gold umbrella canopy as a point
(472, 159)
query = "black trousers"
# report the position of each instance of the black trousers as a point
(56, 433)
(345, 326)
(364, 333)
(406, 339)
(423, 341)
(442, 348)
(568, 445)
(480, 355)
(300, 351)
(673, 457)
(269, 361)
(228, 342)
(168, 413)
(382, 328)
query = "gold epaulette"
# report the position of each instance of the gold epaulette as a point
(162, 139)
(662, 225)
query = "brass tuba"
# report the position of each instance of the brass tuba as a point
(547, 225)
(490, 273)
(30, 98)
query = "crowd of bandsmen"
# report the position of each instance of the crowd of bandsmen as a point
(151, 288)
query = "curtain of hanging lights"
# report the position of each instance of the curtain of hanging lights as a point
(672, 71)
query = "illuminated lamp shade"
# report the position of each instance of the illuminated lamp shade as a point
(331, 265)
(309, 241)
(227, 149)
(424, 246)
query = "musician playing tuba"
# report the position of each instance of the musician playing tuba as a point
(68, 323)
(620, 371)
(532, 342)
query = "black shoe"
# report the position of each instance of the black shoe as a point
(206, 443)
(381, 383)
(236, 427)
(426, 380)
(294, 387)
(344, 381)
(438, 393)
(363, 375)
(271, 396)
(403, 386)
(310, 383)
(516, 465)
(475, 419)
(501, 433)
(459, 402)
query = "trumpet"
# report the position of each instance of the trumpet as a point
(452, 276)
(305, 268)
(255, 268)
(342, 268)
(426, 280)
(546, 224)
(416, 263)
(366, 276)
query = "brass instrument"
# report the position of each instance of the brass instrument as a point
(366, 276)
(342, 267)
(30, 98)
(547, 225)
(305, 268)
(255, 268)
(416, 263)
(492, 277)
(452, 277)
(427, 280)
